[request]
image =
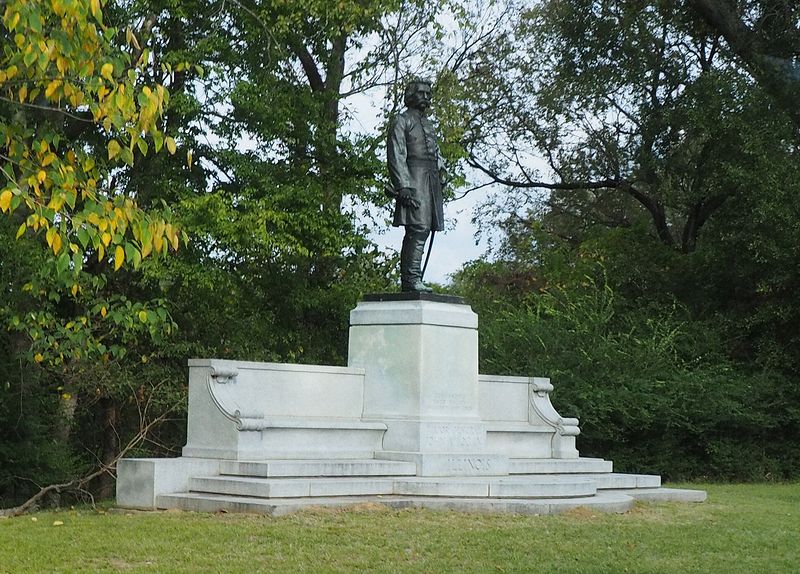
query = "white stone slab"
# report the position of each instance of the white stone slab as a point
(616, 480)
(520, 440)
(604, 502)
(664, 494)
(449, 464)
(309, 468)
(141, 480)
(542, 488)
(352, 487)
(420, 360)
(246, 486)
(291, 488)
(241, 409)
(559, 466)
(413, 313)
(441, 487)
(504, 398)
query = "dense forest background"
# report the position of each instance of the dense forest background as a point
(188, 178)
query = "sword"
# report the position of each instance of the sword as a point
(427, 255)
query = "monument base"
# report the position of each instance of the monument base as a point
(408, 423)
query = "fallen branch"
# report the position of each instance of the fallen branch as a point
(80, 483)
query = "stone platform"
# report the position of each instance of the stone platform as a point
(408, 423)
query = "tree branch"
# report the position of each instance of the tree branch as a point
(657, 211)
(574, 185)
(80, 483)
(309, 66)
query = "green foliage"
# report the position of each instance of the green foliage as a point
(62, 70)
(654, 389)
(654, 277)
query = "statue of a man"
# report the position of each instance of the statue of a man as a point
(414, 168)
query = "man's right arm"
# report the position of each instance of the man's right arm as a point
(397, 154)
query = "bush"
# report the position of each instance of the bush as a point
(654, 391)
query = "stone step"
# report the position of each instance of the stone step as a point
(559, 465)
(664, 494)
(616, 480)
(310, 468)
(201, 502)
(528, 487)
(291, 487)
(553, 486)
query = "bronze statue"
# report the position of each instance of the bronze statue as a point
(415, 170)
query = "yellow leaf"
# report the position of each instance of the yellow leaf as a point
(95, 7)
(119, 257)
(58, 523)
(51, 88)
(56, 202)
(147, 247)
(23, 93)
(103, 312)
(66, 397)
(106, 238)
(21, 229)
(38, 357)
(106, 70)
(143, 316)
(56, 243)
(171, 147)
(74, 289)
(41, 176)
(189, 158)
(113, 149)
(5, 200)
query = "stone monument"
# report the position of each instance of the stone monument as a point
(408, 422)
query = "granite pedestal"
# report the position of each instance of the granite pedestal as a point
(409, 422)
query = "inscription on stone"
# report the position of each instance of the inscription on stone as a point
(469, 464)
(451, 401)
(449, 435)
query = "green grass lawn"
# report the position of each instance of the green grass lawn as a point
(752, 529)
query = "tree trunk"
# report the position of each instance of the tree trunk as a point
(109, 414)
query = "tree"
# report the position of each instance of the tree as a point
(764, 36)
(75, 112)
(67, 89)
(666, 236)
(628, 133)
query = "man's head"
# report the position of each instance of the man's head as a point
(418, 95)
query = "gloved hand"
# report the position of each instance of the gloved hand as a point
(405, 195)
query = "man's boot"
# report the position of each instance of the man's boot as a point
(411, 261)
